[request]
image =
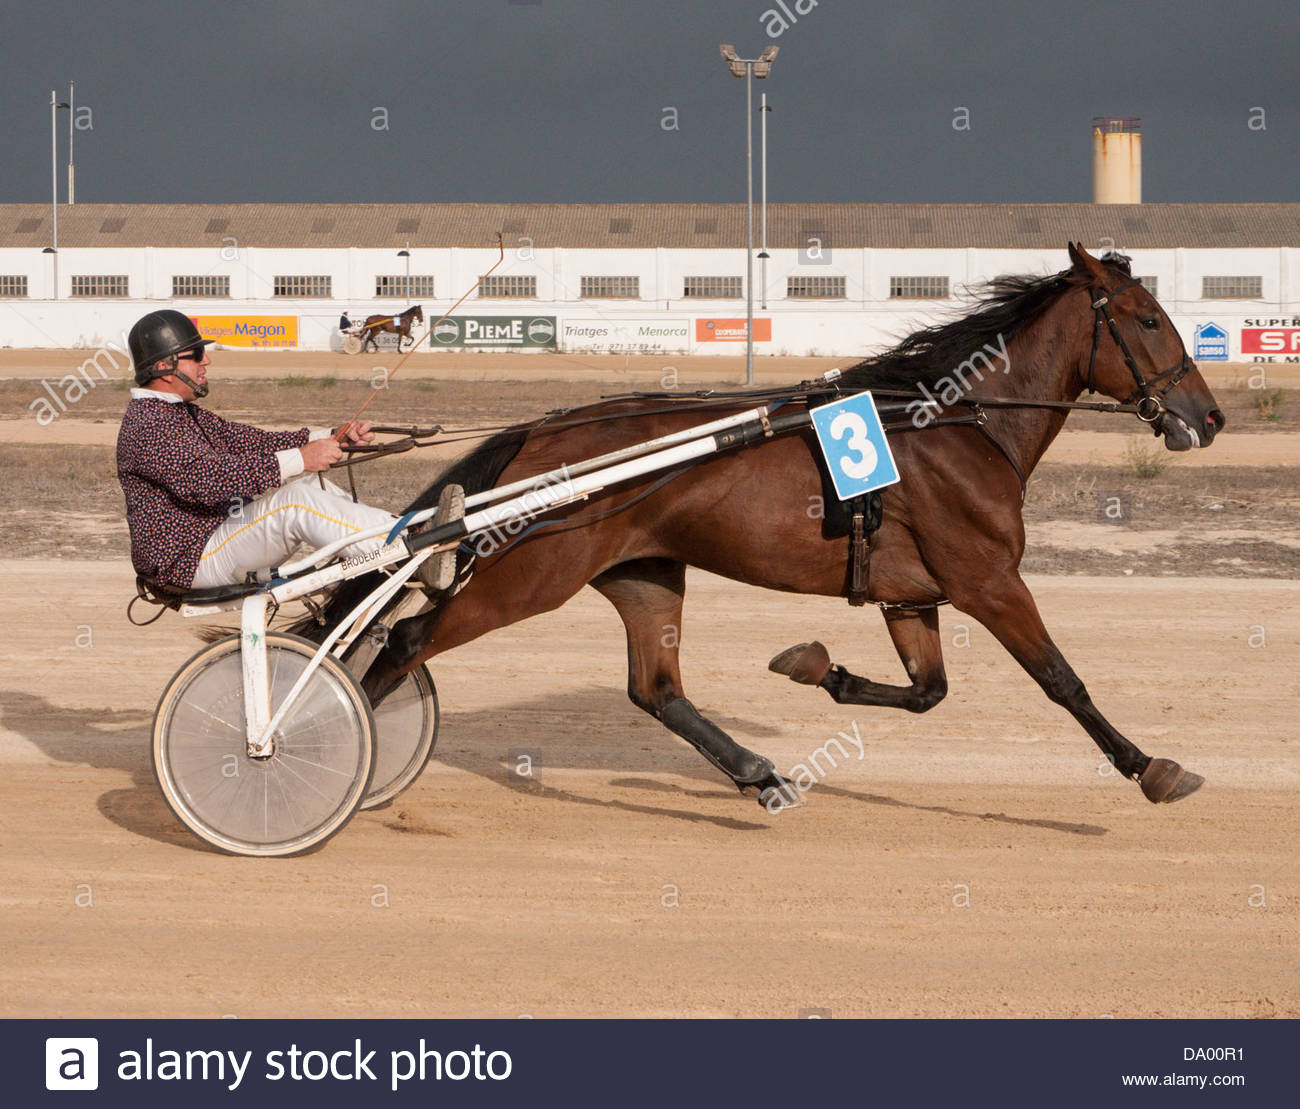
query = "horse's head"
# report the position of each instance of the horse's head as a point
(417, 313)
(1136, 355)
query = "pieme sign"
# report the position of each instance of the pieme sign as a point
(494, 331)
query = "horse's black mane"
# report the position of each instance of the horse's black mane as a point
(1005, 306)
(478, 470)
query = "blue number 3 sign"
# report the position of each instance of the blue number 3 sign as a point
(853, 440)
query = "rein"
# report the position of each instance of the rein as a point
(416, 436)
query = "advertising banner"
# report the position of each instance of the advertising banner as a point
(731, 331)
(249, 331)
(1271, 337)
(627, 336)
(494, 331)
(1210, 343)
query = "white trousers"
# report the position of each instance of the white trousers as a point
(269, 529)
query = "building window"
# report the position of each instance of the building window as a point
(13, 285)
(811, 288)
(1150, 284)
(395, 285)
(611, 288)
(509, 285)
(203, 285)
(303, 285)
(713, 288)
(1232, 288)
(100, 285)
(918, 288)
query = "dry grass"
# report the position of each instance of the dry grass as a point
(1145, 459)
(1269, 404)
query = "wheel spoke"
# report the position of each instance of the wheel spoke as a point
(317, 765)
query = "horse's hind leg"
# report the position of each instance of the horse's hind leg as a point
(648, 594)
(916, 639)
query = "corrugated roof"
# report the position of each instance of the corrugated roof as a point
(1047, 226)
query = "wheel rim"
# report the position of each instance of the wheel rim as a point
(406, 729)
(290, 801)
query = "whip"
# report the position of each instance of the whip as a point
(343, 427)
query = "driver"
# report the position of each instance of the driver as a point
(209, 501)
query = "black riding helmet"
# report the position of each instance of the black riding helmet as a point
(161, 334)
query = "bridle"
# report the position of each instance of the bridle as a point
(1148, 400)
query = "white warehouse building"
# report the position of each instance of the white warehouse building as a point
(839, 279)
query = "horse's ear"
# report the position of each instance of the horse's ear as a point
(1085, 262)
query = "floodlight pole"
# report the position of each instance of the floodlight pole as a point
(749, 223)
(72, 89)
(55, 105)
(749, 68)
(762, 246)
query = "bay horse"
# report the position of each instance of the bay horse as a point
(398, 325)
(951, 529)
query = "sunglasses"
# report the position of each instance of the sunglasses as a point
(195, 355)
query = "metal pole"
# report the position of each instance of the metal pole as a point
(762, 249)
(749, 224)
(54, 184)
(72, 112)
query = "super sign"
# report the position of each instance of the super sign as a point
(853, 440)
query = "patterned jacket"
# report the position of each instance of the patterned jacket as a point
(182, 468)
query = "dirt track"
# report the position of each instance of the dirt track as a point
(629, 880)
(978, 860)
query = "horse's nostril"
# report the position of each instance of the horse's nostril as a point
(1214, 421)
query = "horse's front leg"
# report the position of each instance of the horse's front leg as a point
(916, 639)
(1005, 606)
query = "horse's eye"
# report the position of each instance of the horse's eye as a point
(1151, 323)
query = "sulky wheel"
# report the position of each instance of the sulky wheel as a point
(306, 791)
(406, 728)
(352, 344)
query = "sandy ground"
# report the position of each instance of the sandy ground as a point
(980, 860)
(976, 861)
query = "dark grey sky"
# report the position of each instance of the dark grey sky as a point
(562, 100)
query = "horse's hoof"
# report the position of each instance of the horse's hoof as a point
(1165, 781)
(805, 663)
(777, 793)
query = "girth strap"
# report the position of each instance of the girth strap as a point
(865, 519)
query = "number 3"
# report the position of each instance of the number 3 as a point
(852, 425)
